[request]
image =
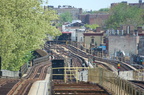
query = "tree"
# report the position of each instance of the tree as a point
(104, 10)
(93, 26)
(122, 14)
(65, 17)
(23, 27)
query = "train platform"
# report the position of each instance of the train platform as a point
(41, 87)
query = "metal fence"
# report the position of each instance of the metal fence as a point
(113, 83)
(7, 73)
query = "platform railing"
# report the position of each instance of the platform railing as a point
(24, 68)
(70, 72)
(139, 75)
(113, 83)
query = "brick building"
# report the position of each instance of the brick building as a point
(66, 8)
(140, 4)
(99, 18)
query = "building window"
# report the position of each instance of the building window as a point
(81, 39)
(92, 40)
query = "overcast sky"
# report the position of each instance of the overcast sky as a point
(87, 4)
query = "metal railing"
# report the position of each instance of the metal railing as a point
(113, 83)
(24, 68)
(70, 72)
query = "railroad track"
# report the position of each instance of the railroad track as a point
(83, 54)
(137, 66)
(76, 61)
(6, 85)
(81, 88)
(104, 66)
(123, 67)
(23, 86)
(139, 84)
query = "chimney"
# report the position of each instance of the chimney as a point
(118, 30)
(59, 6)
(45, 7)
(80, 10)
(140, 1)
(98, 29)
(124, 2)
(139, 29)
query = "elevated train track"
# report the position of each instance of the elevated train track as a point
(14, 86)
(124, 67)
(139, 84)
(59, 51)
(79, 53)
(85, 56)
(24, 85)
(39, 71)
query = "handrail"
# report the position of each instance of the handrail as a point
(112, 82)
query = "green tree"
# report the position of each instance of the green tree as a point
(23, 27)
(122, 14)
(104, 10)
(65, 17)
(93, 26)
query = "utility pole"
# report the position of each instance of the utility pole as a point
(0, 66)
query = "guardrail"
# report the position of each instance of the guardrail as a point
(70, 73)
(113, 83)
(41, 59)
(24, 68)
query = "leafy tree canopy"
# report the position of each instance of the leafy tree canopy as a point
(123, 14)
(104, 10)
(65, 17)
(93, 26)
(23, 27)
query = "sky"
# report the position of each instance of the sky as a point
(86, 4)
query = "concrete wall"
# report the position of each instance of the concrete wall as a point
(7, 73)
(83, 75)
(127, 75)
(128, 44)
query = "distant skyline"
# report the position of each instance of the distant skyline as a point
(87, 4)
